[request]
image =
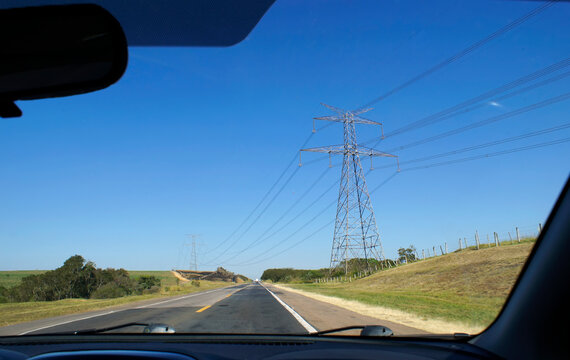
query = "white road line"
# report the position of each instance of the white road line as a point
(113, 311)
(68, 321)
(297, 317)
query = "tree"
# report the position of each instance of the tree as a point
(76, 278)
(407, 255)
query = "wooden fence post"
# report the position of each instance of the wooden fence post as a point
(477, 239)
(434, 253)
(446, 247)
(459, 243)
(424, 254)
(518, 236)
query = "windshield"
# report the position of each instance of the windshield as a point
(347, 164)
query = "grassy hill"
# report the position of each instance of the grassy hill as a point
(468, 286)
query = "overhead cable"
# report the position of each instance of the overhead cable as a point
(484, 122)
(513, 24)
(291, 163)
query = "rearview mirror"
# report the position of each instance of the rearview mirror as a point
(53, 51)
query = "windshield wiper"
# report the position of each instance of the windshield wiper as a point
(367, 330)
(149, 329)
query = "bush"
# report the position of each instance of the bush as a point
(148, 281)
(3, 294)
(152, 290)
(109, 291)
(195, 283)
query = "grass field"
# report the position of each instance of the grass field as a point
(12, 313)
(468, 286)
(11, 278)
(166, 277)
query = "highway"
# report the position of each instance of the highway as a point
(244, 308)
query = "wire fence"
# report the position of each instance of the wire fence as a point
(476, 241)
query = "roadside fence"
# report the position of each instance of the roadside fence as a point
(476, 241)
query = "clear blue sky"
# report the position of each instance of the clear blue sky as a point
(190, 139)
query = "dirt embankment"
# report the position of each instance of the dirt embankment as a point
(179, 277)
(220, 274)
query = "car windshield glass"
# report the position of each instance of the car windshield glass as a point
(384, 163)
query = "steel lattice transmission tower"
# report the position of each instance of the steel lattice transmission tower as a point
(356, 232)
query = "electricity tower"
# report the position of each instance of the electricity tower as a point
(193, 254)
(356, 232)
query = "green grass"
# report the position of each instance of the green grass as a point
(13, 313)
(469, 286)
(12, 278)
(166, 277)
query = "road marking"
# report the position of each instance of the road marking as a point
(113, 311)
(228, 295)
(204, 308)
(297, 317)
(67, 322)
(180, 298)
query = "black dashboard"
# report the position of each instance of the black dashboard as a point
(218, 347)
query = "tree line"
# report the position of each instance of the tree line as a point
(354, 266)
(78, 278)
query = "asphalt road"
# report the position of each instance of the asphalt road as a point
(245, 308)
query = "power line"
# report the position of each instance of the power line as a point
(463, 52)
(261, 213)
(327, 207)
(475, 107)
(262, 199)
(315, 232)
(301, 213)
(260, 238)
(493, 154)
(484, 145)
(498, 153)
(511, 85)
(484, 122)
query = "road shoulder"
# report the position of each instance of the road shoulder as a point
(325, 314)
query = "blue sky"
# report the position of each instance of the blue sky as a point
(190, 139)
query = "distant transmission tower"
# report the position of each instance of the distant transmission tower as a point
(355, 232)
(193, 255)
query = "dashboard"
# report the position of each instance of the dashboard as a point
(183, 347)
